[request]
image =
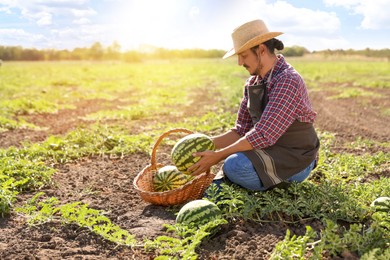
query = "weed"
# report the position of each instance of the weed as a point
(185, 240)
(7, 195)
(39, 212)
(293, 247)
(6, 124)
(333, 239)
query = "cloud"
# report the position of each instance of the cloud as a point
(83, 12)
(15, 37)
(375, 14)
(52, 24)
(345, 3)
(43, 11)
(82, 21)
(284, 16)
(79, 36)
(43, 18)
(5, 10)
(314, 29)
(184, 24)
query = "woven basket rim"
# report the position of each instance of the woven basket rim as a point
(155, 197)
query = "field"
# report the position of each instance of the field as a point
(73, 136)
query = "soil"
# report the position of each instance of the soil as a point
(106, 184)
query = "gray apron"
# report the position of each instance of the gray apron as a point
(292, 153)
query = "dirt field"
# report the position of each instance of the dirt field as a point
(112, 179)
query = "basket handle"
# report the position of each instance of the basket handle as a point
(159, 140)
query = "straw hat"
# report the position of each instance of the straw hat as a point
(249, 35)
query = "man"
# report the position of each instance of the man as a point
(273, 141)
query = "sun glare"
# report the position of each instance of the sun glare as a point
(144, 22)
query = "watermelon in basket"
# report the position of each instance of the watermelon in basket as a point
(191, 190)
(169, 178)
(182, 152)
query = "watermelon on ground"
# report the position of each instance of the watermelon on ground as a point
(198, 212)
(381, 204)
(182, 151)
(169, 178)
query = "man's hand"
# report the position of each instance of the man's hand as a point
(208, 159)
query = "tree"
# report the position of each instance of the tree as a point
(297, 51)
(113, 51)
(96, 51)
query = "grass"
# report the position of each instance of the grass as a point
(151, 98)
(353, 92)
(151, 89)
(371, 74)
(40, 212)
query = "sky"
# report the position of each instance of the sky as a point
(183, 24)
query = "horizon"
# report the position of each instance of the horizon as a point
(194, 24)
(151, 49)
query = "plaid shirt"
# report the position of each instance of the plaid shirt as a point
(287, 101)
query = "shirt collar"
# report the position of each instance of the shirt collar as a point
(256, 80)
(276, 68)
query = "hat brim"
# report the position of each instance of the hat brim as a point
(252, 43)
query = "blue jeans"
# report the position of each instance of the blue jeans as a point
(240, 170)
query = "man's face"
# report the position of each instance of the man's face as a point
(250, 61)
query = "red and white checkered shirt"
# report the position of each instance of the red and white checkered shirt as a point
(287, 101)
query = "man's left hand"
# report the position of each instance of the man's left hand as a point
(208, 159)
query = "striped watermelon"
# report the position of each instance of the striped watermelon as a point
(185, 147)
(169, 178)
(198, 212)
(381, 204)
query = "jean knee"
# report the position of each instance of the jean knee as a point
(235, 163)
(229, 164)
(303, 175)
(239, 169)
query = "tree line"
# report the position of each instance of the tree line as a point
(382, 53)
(98, 52)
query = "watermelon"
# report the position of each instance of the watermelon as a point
(381, 204)
(169, 178)
(182, 151)
(198, 212)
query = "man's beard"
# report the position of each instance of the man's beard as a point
(258, 68)
(257, 71)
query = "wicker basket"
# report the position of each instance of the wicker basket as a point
(194, 189)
